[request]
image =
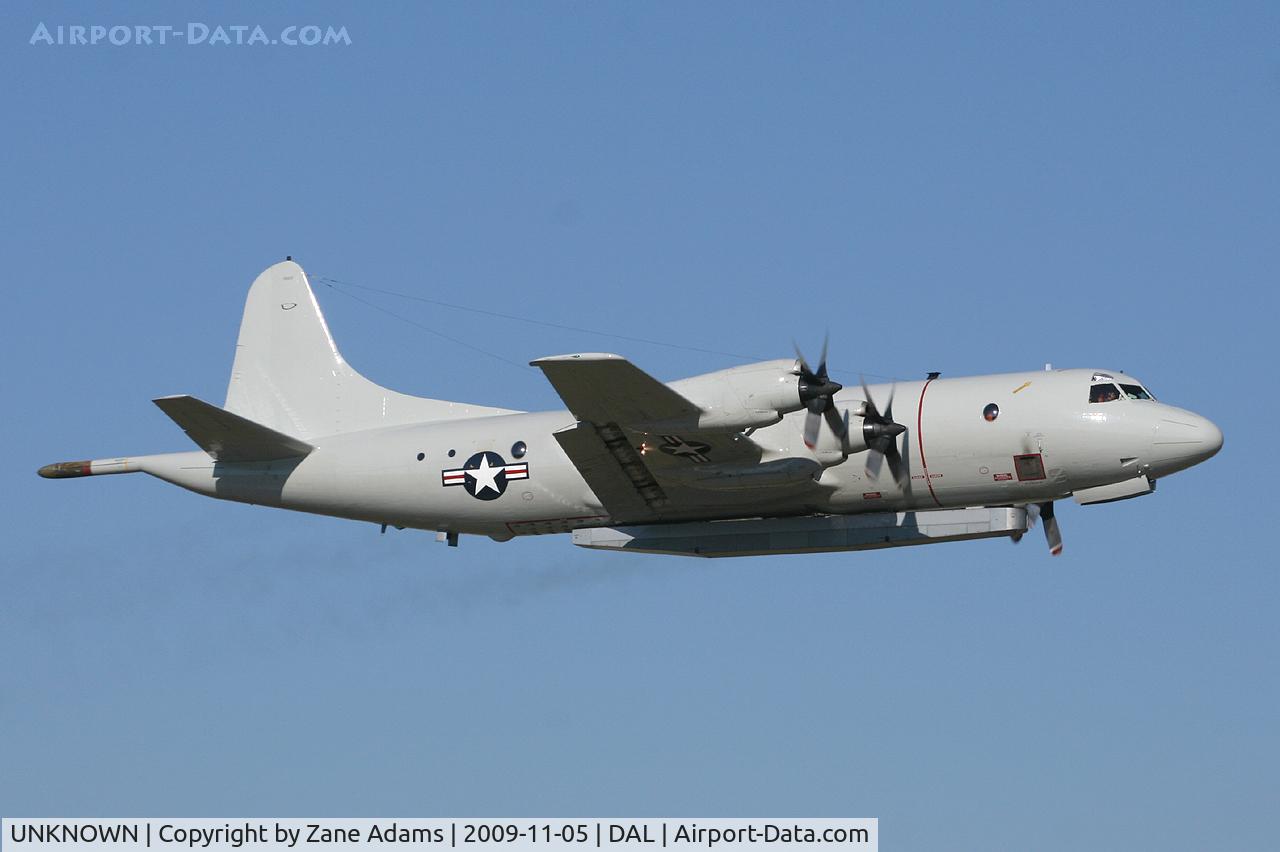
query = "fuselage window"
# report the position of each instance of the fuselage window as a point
(1135, 392)
(1103, 393)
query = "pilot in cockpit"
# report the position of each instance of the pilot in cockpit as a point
(1103, 393)
(1108, 392)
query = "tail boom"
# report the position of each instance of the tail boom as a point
(93, 467)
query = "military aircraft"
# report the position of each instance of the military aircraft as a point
(772, 457)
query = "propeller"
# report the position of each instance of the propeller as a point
(1052, 533)
(817, 392)
(881, 434)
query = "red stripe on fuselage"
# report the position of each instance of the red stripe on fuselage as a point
(928, 480)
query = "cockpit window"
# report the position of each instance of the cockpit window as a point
(1135, 392)
(1103, 393)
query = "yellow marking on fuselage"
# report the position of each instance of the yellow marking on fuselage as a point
(1022, 386)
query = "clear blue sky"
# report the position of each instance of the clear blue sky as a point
(965, 189)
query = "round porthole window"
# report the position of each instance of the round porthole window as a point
(452, 453)
(518, 449)
(421, 456)
(991, 412)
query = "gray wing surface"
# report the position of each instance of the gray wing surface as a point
(629, 443)
(601, 388)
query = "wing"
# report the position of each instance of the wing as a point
(601, 388)
(637, 442)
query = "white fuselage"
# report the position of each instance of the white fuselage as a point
(1047, 441)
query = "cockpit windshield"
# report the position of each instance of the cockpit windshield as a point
(1103, 393)
(1107, 392)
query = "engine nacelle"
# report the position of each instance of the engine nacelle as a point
(740, 398)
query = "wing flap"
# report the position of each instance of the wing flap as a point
(613, 470)
(229, 437)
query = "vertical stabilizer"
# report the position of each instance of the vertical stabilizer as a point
(288, 374)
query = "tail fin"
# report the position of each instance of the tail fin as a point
(289, 376)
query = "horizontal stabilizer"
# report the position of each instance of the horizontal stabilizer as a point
(229, 437)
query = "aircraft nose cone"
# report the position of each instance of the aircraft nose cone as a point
(1183, 439)
(1212, 438)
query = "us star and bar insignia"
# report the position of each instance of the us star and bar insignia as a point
(485, 475)
(695, 451)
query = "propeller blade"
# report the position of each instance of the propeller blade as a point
(882, 436)
(817, 394)
(871, 412)
(1052, 534)
(804, 365)
(812, 421)
(896, 468)
(839, 425)
(872, 468)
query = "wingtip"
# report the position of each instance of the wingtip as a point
(576, 356)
